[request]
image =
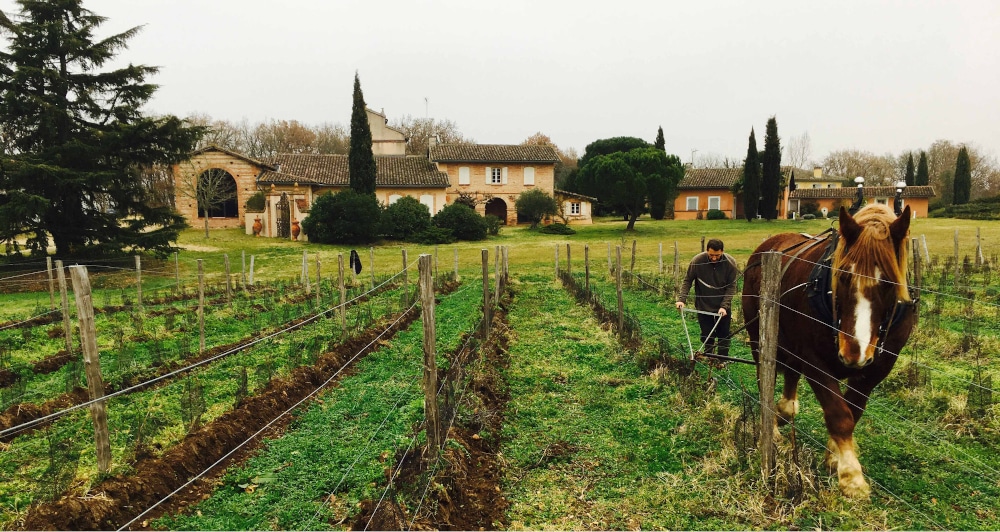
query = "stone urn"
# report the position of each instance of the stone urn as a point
(257, 226)
(295, 229)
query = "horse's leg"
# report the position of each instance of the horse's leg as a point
(788, 405)
(841, 455)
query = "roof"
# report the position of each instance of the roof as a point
(213, 147)
(493, 153)
(710, 177)
(870, 192)
(332, 170)
(807, 175)
(569, 194)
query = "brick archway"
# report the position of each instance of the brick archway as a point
(497, 207)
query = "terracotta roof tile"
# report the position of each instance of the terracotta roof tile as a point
(332, 170)
(870, 192)
(493, 153)
(710, 177)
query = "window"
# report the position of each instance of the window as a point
(529, 176)
(830, 185)
(815, 185)
(496, 176)
(574, 207)
(393, 198)
(428, 200)
(714, 202)
(692, 203)
(463, 175)
(882, 201)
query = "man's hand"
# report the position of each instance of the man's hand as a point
(679, 305)
(722, 312)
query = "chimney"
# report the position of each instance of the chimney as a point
(432, 142)
(817, 172)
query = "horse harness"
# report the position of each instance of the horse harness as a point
(819, 287)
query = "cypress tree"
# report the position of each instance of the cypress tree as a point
(77, 140)
(770, 182)
(963, 177)
(660, 144)
(910, 171)
(361, 159)
(923, 174)
(751, 180)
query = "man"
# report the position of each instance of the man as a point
(714, 275)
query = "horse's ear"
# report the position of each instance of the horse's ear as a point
(901, 226)
(849, 229)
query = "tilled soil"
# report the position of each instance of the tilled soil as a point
(117, 500)
(465, 491)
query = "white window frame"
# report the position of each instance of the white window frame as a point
(718, 202)
(574, 207)
(393, 198)
(464, 175)
(687, 203)
(529, 176)
(882, 201)
(496, 176)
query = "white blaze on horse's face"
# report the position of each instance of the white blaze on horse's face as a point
(858, 334)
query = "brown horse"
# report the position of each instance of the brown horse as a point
(869, 317)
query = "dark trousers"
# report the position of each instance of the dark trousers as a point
(720, 335)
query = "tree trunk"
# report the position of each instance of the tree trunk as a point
(206, 224)
(631, 221)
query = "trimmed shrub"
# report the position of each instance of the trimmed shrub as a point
(405, 219)
(557, 229)
(493, 224)
(464, 223)
(345, 218)
(255, 203)
(808, 216)
(434, 235)
(715, 214)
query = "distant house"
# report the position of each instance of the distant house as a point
(492, 176)
(829, 200)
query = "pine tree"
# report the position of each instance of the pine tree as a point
(361, 159)
(963, 177)
(770, 182)
(660, 144)
(910, 172)
(751, 180)
(78, 140)
(923, 174)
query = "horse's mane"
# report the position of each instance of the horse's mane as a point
(873, 250)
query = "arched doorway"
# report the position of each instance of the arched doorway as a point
(217, 194)
(497, 207)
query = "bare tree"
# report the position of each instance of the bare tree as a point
(715, 160)
(210, 190)
(332, 138)
(799, 151)
(418, 130)
(876, 169)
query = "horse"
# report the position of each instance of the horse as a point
(859, 273)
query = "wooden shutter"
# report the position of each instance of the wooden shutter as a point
(503, 176)
(463, 175)
(529, 175)
(489, 175)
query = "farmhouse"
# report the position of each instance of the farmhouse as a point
(704, 189)
(491, 175)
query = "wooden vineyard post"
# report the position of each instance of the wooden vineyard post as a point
(769, 309)
(927, 253)
(52, 286)
(92, 365)
(305, 271)
(618, 287)
(138, 282)
(67, 327)
(631, 266)
(496, 274)
(435, 262)
(979, 250)
(201, 306)
(251, 269)
(586, 267)
(243, 269)
(506, 266)
(371, 264)
(229, 284)
(319, 283)
(569, 262)
(677, 258)
(406, 280)
(611, 268)
(557, 263)
(177, 273)
(917, 273)
(433, 422)
(343, 293)
(486, 293)
(958, 266)
(660, 270)
(456, 264)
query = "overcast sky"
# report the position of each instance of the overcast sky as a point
(874, 75)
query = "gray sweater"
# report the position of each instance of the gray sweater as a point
(714, 282)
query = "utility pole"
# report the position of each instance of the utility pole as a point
(692, 157)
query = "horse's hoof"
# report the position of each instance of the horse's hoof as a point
(830, 459)
(786, 410)
(855, 486)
